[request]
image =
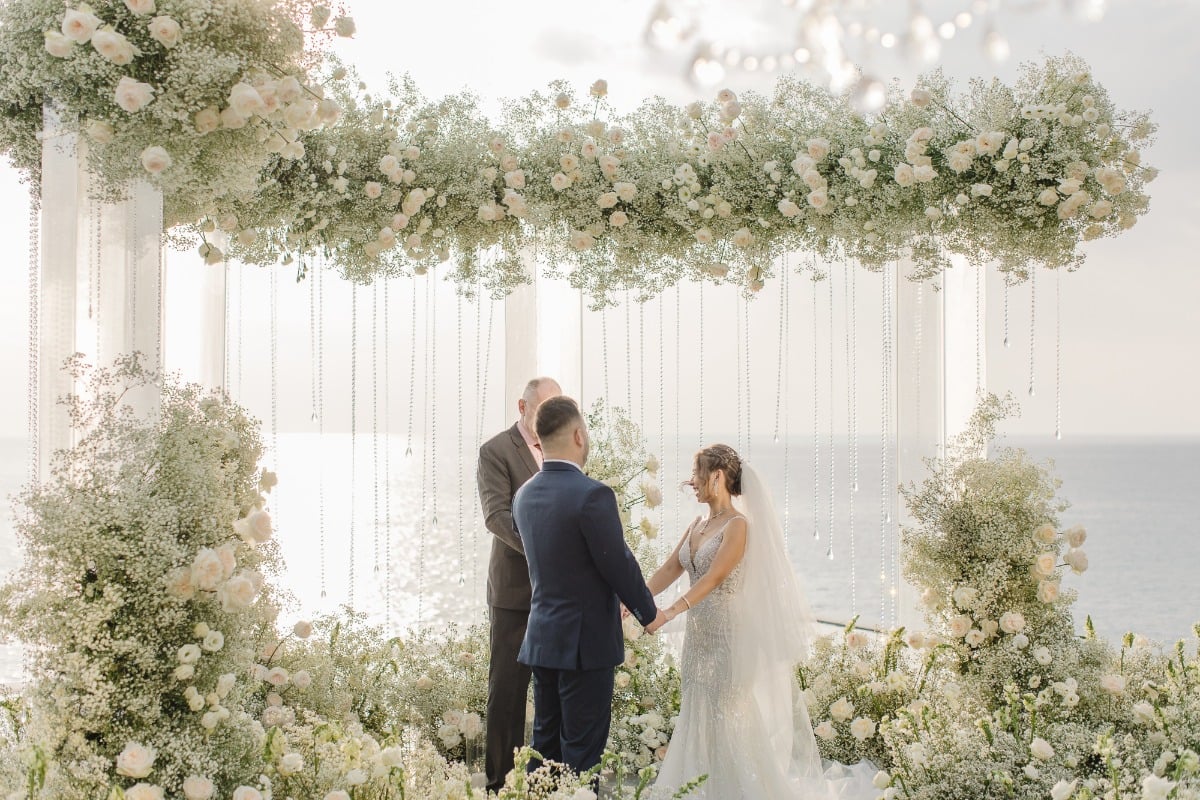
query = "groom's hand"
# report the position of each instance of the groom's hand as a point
(659, 620)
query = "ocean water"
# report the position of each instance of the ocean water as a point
(396, 532)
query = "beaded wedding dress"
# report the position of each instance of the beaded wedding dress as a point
(743, 721)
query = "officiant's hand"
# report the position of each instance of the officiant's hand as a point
(624, 611)
(659, 621)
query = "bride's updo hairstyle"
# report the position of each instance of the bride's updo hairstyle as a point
(721, 457)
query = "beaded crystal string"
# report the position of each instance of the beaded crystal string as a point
(241, 305)
(785, 357)
(412, 368)
(852, 416)
(662, 405)
(35, 309)
(462, 516)
(604, 361)
(1032, 324)
(978, 330)
(739, 355)
(424, 466)
(679, 467)
(832, 420)
(353, 430)
(816, 420)
(321, 415)
(1058, 354)
(275, 383)
(700, 356)
(95, 266)
(749, 350)
(312, 336)
(642, 367)
(1006, 309)
(131, 294)
(628, 356)
(375, 520)
(885, 515)
(228, 329)
(387, 458)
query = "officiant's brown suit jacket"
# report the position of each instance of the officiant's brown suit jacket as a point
(505, 464)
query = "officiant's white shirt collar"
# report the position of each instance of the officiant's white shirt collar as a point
(562, 461)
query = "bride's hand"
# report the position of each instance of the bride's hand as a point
(624, 611)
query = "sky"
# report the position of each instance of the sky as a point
(1128, 318)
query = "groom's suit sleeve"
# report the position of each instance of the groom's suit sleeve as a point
(603, 534)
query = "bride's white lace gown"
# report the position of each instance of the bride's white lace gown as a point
(722, 731)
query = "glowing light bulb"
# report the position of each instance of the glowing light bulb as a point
(887, 40)
(947, 30)
(707, 72)
(868, 94)
(996, 46)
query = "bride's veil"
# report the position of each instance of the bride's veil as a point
(774, 631)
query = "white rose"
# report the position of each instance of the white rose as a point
(255, 527)
(1113, 684)
(981, 190)
(965, 597)
(1144, 713)
(974, 637)
(339, 794)
(179, 584)
(245, 100)
(189, 654)
(704, 236)
(1100, 209)
(237, 593)
(1045, 563)
(1077, 560)
(924, 173)
(144, 791)
(842, 709)
(133, 95)
(559, 181)
(213, 641)
(882, 780)
(618, 219)
(862, 728)
(916, 640)
(788, 208)
(717, 269)
(1048, 197)
(155, 159)
(302, 679)
(817, 148)
(1020, 641)
(247, 793)
(344, 27)
(277, 676)
(1047, 591)
(1063, 790)
(136, 760)
(79, 25)
(1041, 749)
(140, 7)
(582, 240)
(1045, 533)
(1075, 535)
(1012, 622)
(904, 175)
(856, 640)
(58, 45)
(742, 237)
(599, 88)
(197, 787)
(818, 199)
(825, 730)
(302, 629)
(291, 763)
(960, 626)
(607, 200)
(921, 97)
(184, 672)
(165, 31)
(1042, 656)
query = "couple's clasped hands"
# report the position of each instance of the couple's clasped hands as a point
(660, 619)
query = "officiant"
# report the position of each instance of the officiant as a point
(506, 462)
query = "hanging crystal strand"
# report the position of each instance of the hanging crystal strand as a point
(241, 305)
(387, 459)
(604, 359)
(228, 329)
(480, 377)
(738, 351)
(375, 428)
(679, 465)
(628, 357)
(353, 431)
(131, 288)
(662, 407)
(1032, 323)
(779, 379)
(461, 518)
(95, 267)
(979, 277)
(816, 423)
(312, 336)
(35, 313)
(886, 438)
(1006, 309)
(421, 526)
(320, 414)
(700, 355)
(275, 383)
(749, 350)
(1058, 354)
(852, 420)
(785, 361)
(642, 367)
(412, 368)
(832, 452)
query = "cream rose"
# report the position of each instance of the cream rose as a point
(302, 679)
(207, 570)
(165, 31)
(818, 199)
(904, 175)
(144, 791)
(825, 730)
(960, 625)
(136, 760)
(155, 159)
(113, 46)
(974, 637)
(618, 219)
(817, 148)
(290, 764)
(247, 793)
(237, 593)
(1042, 656)
(1045, 533)
(245, 100)
(1047, 591)
(1044, 564)
(842, 709)
(79, 25)
(742, 237)
(1113, 684)
(179, 584)
(213, 641)
(1077, 560)
(1040, 749)
(133, 95)
(58, 45)
(921, 97)
(862, 728)
(197, 787)
(1012, 622)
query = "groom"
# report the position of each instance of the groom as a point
(581, 572)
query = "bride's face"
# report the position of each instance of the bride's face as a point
(702, 485)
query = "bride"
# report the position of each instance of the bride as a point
(743, 721)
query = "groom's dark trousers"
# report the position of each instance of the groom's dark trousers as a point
(581, 572)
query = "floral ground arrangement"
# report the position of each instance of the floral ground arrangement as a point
(234, 111)
(159, 668)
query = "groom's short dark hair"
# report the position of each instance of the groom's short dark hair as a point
(554, 415)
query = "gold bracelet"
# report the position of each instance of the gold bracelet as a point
(683, 597)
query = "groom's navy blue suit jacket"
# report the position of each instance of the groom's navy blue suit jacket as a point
(580, 568)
